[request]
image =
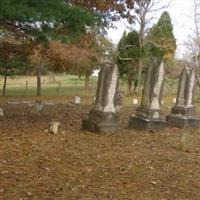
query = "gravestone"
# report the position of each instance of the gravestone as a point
(135, 101)
(148, 116)
(25, 102)
(104, 116)
(49, 103)
(93, 99)
(183, 113)
(185, 140)
(13, 102)
(39, 106)
(119, 98)
(77, 100)
(54, 126)
(1, 112)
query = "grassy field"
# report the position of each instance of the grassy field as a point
(70, 85)
(67, 86)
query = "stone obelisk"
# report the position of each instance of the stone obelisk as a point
(183, 113)
(148, 116)
(104, 116)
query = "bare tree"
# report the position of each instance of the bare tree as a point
(193, 44)
(143, 13)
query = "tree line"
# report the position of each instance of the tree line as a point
(69, 36)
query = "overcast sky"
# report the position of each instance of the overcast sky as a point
(181, 12)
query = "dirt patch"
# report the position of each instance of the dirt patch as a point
(81, 165)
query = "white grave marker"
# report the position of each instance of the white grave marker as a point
(77, 100)
(39, 106)
(135, 101)
(1, 112)
(53, 127)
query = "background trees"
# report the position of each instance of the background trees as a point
(128, 58)
(159, 40)
(38, 22)
(161, 35)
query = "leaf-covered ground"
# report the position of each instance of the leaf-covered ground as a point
(79, 165)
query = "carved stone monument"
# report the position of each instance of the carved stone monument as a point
(148, 116)
(104, 116)
(183, 113)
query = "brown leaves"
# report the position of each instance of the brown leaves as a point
(74, 57)
(113, 9)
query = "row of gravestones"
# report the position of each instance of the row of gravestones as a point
(104, 116)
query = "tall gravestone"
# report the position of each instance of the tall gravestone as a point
(183, 113)
(104, 116)
(148, 116)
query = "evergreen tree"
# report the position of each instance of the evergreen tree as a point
(162, 38)
(40, 21)
(129, 54)
(44, 19)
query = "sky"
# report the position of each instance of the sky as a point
(181, 13)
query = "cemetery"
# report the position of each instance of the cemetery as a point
(130, 131)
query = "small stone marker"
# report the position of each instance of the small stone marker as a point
(77, 100)
(174, 100)
(39, 106)
(185, 140)
(49, 103)
(53, 127)
(135, 101)
(119, 99)
(25, 102)
(94, 99)
(13, 102)
(1, 112)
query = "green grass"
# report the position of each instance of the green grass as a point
(70, 85)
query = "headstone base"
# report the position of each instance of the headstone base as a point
(146, 124)
(101, 122)
(179, 121)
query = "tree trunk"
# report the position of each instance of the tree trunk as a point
(139, 74)
(129, 85)
(87, 81)
(5, 82)
(39, 86)
(135, 87)
(141, 41)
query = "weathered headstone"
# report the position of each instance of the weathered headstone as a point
(185, 141)
(26, 102)
(119, 98)
(39, 106)
(183, 113)
(1, 112)
(93, 99)
(13, 102)
(104, 116)
(148, 116)
(77, 100)
(53, 127)
(49, 103)
(135, 101)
